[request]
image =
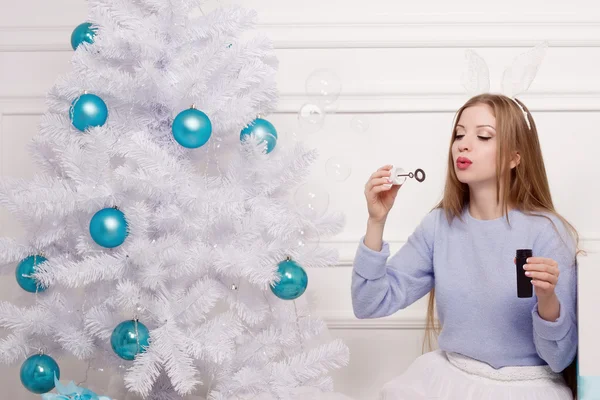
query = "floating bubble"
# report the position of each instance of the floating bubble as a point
(323, 86)
(338, 169)
(331, 108)
(312, 201)
(359, 124)
(311, 118)
(306, 238)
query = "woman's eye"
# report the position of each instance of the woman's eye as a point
(460, 136)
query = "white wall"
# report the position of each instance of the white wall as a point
(400, 65)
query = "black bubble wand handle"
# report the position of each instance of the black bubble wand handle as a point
(419, 175)
(398, 174)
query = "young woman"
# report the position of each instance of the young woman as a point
(492, 344)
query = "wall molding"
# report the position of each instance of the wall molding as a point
(404, 319)
(426, 34)
(374, 102)
(420, 32)
(390, 102)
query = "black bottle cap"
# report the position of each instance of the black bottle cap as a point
(524, 253)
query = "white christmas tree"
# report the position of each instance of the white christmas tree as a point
(161, 237)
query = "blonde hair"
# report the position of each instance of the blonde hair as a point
(525, 187)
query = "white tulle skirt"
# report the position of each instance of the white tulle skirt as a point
(438, 375)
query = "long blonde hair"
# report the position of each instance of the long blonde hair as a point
(525, 188)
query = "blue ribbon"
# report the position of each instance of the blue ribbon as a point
(71, 392)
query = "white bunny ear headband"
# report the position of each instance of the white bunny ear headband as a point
(516, 78)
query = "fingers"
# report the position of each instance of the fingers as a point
(383, 171)
(541, 260)
(378, 178)
(544, 272)
(542, 285)
(377, 184)
(387, 187)
(541, 264)
(380, 181)
(542, 276)
(381, 188)
(551, 269)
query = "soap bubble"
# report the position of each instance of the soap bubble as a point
(323, 86)
(306, 238)
(312, 201)
(359, 124)
(331, 108)
(338, 168)
(311, 118)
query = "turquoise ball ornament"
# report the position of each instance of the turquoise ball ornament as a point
(108, 227)
(263, 130)
(293, 280)
(129, 338)
(192, 128)
(82, 33)
(37, 373)
(24, 271)
(88, 110)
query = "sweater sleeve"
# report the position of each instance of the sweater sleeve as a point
(556, 341)
(380, 288)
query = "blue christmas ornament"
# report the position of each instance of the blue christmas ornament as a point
(108, 227)
(264, 131)
(37, 373)
(192, 128)
(72, 392)
(88, 110)
(82, 33)
(293, 280)
(129, 338)
(24, 271)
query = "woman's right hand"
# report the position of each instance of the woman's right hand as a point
(380, 194)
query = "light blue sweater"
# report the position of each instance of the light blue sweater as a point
(471, 265)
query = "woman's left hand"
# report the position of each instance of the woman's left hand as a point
(544, 273)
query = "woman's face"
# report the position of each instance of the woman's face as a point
(474, 146)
